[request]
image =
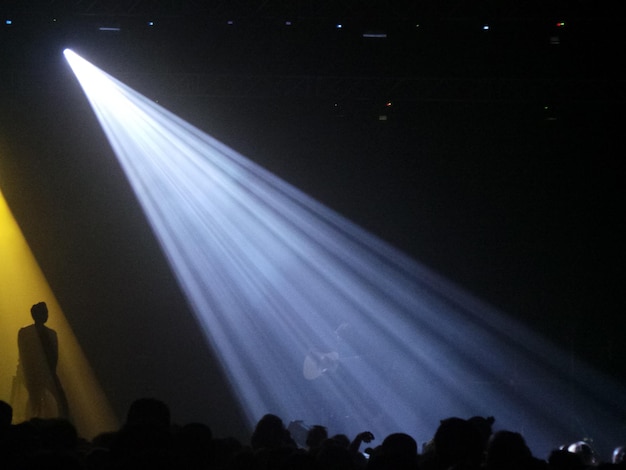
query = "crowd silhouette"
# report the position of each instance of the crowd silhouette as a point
(148, 439)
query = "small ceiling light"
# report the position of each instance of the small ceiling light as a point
(375, 35)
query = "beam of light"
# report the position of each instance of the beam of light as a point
(315, 319)
(23, 284)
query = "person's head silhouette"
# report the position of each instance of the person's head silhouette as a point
(39, 313)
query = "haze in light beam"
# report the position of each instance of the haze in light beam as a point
(22, 284)
(315, 319)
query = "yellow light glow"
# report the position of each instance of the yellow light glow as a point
(23, 284)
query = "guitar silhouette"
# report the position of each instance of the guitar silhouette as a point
(316, 364)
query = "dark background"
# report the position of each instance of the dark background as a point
(497, 165)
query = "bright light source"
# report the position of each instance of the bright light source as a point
(287, 23)
(150, 23)
(339, 26)
(315, 319)
(560, 24)
(8, 22)
(485, 27)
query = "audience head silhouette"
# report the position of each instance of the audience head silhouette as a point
(458, 443)
(341, 439)
(584, 451)
(316, 435)
(507, 450)
(6, 415)
(398, 451)
(148, 412)
(270, 433)
(619, 455)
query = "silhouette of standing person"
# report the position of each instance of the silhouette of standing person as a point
(39, 353)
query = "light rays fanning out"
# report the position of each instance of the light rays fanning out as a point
(315, 319)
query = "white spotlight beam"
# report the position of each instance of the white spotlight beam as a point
(315, 319)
